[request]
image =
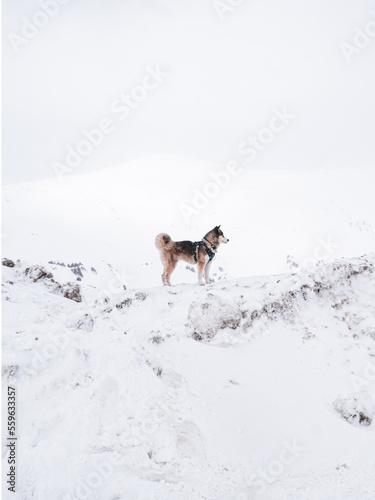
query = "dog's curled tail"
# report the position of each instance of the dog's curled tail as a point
(162, 240)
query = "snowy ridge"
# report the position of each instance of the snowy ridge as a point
(257, 387)
(270, 218)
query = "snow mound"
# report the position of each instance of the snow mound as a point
(38, 273)
(210, 314)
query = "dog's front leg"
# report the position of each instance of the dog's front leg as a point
(200, 273)
(207, 271)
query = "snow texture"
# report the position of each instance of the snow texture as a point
(229, 391)
(259, 385)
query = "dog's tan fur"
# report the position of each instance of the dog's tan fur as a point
(173, 251)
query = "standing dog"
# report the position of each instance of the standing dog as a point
(199, 252)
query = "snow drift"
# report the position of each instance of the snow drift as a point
(258, 387)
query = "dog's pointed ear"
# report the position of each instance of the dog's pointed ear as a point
(218, 226)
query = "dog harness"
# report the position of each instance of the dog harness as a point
(209, 252)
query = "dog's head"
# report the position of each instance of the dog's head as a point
(219, 235)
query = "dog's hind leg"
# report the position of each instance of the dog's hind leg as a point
(163, 278)
(169, 270)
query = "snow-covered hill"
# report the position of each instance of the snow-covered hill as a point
(259, 385)
(112, 216)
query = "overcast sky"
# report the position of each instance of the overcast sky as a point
(201, 79)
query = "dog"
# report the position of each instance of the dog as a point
(199, 252)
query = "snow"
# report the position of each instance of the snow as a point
(233, 391)
(114, 214)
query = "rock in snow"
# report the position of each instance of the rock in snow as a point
(357, 409)
(7, 262)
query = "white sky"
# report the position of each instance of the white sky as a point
(225, 77)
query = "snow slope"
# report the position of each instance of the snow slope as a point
(259, 385)
(129, 397)
(113, 216)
